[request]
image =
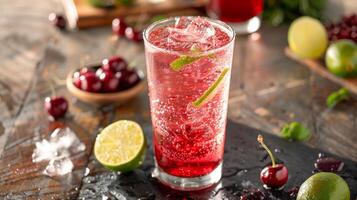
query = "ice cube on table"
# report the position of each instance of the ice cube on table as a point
(59, 166)
(44, 150)
(57, 150)
(67, 140)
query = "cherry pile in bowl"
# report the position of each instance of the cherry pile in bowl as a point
(344, 29)
(112, 76)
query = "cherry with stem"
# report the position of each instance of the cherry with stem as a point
(275, 175)
(56, 106)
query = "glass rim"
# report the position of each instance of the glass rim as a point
(229, 30)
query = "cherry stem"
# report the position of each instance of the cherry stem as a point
(261, 141)
(114, 43)
(53, 90)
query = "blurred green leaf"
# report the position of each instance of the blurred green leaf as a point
(271, 3)
(304, 7)
(126, 2)
(157, 18)
(291, 4)
(275, 17)
(280, 11)
(295, 131)
(336, 97)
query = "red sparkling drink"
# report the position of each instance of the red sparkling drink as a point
(188, 65)
(235, 10)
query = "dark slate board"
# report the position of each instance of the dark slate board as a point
(242, 164)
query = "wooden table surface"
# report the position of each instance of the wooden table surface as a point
(267, 91)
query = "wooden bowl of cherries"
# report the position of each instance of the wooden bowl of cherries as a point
(111, 82)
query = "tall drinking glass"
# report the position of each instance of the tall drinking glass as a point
(188, 63)
(242, 15)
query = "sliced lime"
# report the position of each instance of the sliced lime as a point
(183, 60)
(211, 91)
(120, 146)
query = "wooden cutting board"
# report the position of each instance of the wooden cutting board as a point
(318, 67)
(80, 14)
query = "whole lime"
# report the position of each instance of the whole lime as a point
(307, 37)
(341, 58)
(324, 186)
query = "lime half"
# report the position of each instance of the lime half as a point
(120, 146)
(324, 186)
(211, 91)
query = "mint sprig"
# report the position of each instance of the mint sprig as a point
(337, 96)
(295, 131)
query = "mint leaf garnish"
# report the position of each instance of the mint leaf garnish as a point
(295, 131)
(335, 97)
(183, 60)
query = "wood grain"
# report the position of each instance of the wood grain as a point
(317, 67)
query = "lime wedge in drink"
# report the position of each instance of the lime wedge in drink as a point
(183, 60)
(120, 146)
(211, 91)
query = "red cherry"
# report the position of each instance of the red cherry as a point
(133, 34)
(353, 19)
(56, 106)
(118, 27)
(114, 64)
(329, 164)
(344, 29)
(57, 20)
(128, 79)
(110, 81)
(85, 70)
(90, 82)
(344, 34)
(99, 72)
(274, 177)
(76, 79)
(77, 75)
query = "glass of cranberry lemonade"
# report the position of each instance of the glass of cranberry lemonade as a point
(188, 63)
